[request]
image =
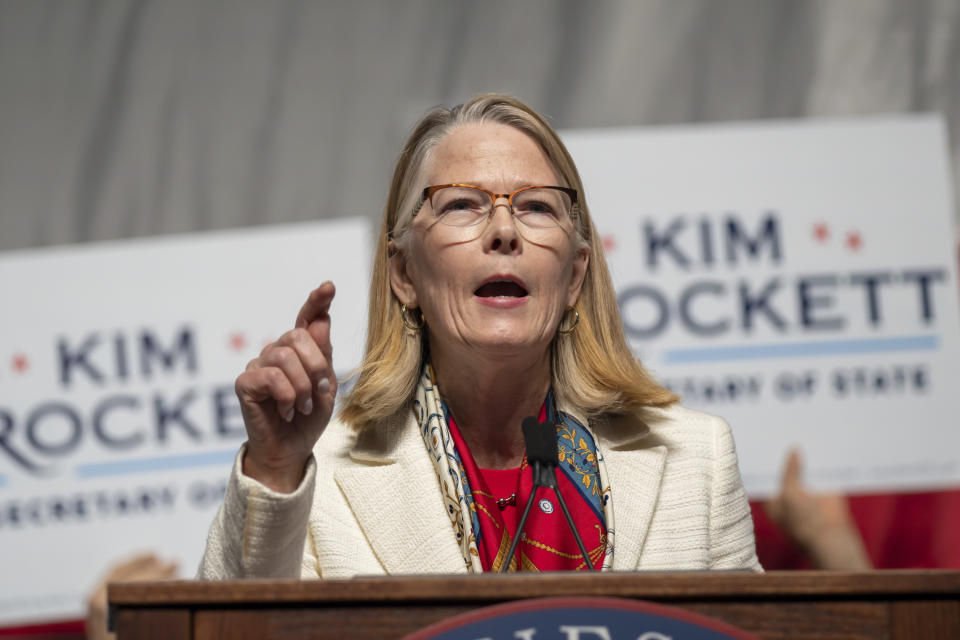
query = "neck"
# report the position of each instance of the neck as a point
(489, 398)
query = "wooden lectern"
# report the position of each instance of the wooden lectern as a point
(799, 604)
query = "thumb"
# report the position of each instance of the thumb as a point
(792, 479)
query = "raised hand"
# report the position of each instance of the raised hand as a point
(821, 524)
(286, 396)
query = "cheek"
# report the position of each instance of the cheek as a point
(437, 279)
(421, 266)
(562, 277)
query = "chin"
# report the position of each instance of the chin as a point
(510, 343)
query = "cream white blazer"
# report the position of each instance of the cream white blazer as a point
(371, 504)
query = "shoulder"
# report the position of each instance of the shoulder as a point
(383, 443)
(694, 440)
(697, 434)
(681, 420)
(676, 426)
(336, 441)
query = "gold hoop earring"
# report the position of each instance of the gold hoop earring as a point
(407, 322)
(573, 324)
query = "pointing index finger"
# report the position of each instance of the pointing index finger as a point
(317, 305)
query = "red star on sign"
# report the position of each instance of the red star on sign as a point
(20, 363)
(854, 241)
(238, 341)
(821, 232)
(609, 242)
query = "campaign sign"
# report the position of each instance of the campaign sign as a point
(798, 279)
(582, 618)
(118, 418)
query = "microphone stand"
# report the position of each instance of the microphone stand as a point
(545, 475)
(552, 474)
(523, 521)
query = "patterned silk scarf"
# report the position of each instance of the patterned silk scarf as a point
(547, 543)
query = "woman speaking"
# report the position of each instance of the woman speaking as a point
(490, 302)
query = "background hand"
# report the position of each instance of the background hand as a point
(287, 394)
(145, 566)
(821, 524)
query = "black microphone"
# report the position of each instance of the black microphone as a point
(542, 452)
(542, 456)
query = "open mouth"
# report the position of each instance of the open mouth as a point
(501, 289)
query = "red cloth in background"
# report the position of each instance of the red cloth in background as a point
(900, 531)
(66, 630)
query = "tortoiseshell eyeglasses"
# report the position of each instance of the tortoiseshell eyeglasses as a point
(465, 205)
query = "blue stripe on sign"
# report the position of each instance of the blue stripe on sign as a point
(801, 349)
(165, 463)
(3, 480)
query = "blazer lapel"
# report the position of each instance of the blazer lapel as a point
(635, 470)
(393, 491)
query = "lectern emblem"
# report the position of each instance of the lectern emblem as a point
(584, 618)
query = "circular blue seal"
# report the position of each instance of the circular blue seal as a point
(586, 618)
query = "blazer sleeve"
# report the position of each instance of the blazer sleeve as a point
(732, 544)
(258, 532)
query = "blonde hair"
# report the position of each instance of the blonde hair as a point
(593, 368)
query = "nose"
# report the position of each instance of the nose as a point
(501, 232)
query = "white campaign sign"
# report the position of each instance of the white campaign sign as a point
(798, 279)
(118, 421)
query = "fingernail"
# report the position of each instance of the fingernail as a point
(323, 386)
(308, 407)
(288, 416)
